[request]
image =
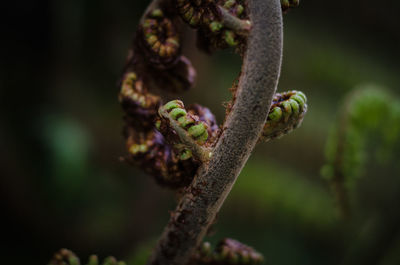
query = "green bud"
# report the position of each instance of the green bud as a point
(202, 138)
(134, 149)
(93, 260)
(110, 261)
(230, 38)
(173, 41)
(294, 3)
(188, 14)
(228, 4)
(295, 106)
(194, 20)
(215, 26)
(206, 248)
(186, 154)
(302, 95)
(131, 76)
(185, 121)
(285, 3)
(178, 112)
(157, 13)
(146, 24)
(239, 10)
(275, 114)
(73, 260)
(197, 130)
(173, 104)
(287, 109)
(158, 124)
(143, 148)
(299, 100)
(152, 40)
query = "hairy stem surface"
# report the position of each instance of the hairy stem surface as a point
(203, 199)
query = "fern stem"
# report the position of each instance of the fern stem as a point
(203, 199)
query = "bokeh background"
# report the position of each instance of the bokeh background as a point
(62, 183)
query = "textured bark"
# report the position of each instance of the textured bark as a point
(214, 180)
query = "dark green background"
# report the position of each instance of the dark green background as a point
(62, 184)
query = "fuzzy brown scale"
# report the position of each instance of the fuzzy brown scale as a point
(149, 151)
(160, 38)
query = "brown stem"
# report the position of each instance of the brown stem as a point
(203, 199)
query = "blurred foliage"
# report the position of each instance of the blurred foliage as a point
(62, 184)
(368, 115)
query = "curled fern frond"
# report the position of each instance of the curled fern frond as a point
(227, 252)
(185, 131)
(205, 115)
(136, 101)
(146, 147)
(197, 12)
(286, 114)
(149, 151)
(67, 257)
(161, 39)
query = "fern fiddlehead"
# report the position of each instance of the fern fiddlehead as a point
(146, 146)
(286, 114)
(155, 62)
(197, 13)
(149, 151)
(161, 39)
(185, 131)
(136, 101)
(222, 24)
(367, 113)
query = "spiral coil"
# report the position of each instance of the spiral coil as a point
(285, 115)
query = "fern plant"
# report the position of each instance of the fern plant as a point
(369, 115)
(184, 148)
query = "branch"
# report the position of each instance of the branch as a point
(214, 180)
